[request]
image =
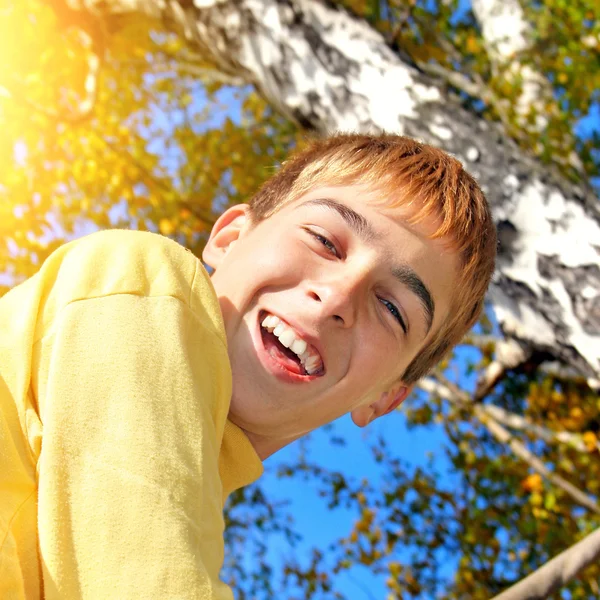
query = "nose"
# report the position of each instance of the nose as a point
(339, 298)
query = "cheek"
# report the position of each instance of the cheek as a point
(285, 257)
(278, 262)
(379, 358)
(260, 254)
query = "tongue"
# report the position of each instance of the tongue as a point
(282, 355)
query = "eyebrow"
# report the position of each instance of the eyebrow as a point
(361, 227)
(403, 273)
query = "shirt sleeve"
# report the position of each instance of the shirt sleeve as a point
(129, 498)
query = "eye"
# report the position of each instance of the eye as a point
(395, 313)
(329, 245)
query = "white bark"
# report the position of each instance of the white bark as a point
(506, 33)
(503, 26)
(557, 572)
(331, 72)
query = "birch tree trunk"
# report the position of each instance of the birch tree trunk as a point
(507, 36)
(329, 71)
(506, 33)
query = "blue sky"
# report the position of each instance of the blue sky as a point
(322, 527)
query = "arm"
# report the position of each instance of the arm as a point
(129, 490)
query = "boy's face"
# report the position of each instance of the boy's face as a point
(352, 282)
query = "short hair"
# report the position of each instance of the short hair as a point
(410, 174)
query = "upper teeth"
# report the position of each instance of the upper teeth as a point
(309, 358)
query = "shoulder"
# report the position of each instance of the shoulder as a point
(147, 264)
(118, 261)
(123, 262)
(114, 262)
(135, 246)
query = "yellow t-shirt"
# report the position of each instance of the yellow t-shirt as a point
(116, 454)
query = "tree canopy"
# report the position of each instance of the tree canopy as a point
(114, 115)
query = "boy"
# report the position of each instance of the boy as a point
(137, 393)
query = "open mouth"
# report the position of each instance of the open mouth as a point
(285, 345)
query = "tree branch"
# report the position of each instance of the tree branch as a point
(515, 421)
(459, 81)
(520, 450)
(510, 419)
(451, 392)
(85, 108)
(191, 63)
(557, 572)
(506, 34)
(504, 28)
(510, 355)
(480, 340)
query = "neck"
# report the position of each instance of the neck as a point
(266, 446)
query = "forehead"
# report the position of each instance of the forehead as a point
(370, 203)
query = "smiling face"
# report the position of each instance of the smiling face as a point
(356, 293)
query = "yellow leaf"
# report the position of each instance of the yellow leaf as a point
(472, 45)
(532, 483)
(536, 499)
(166, 226)
(590, 440)
(576, 412)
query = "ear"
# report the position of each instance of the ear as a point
(225, 232)
(387, 402)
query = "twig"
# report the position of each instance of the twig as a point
(515, 421)
(208, 219)
(360, 585)
(508, 418)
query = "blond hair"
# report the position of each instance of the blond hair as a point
(409, 174)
